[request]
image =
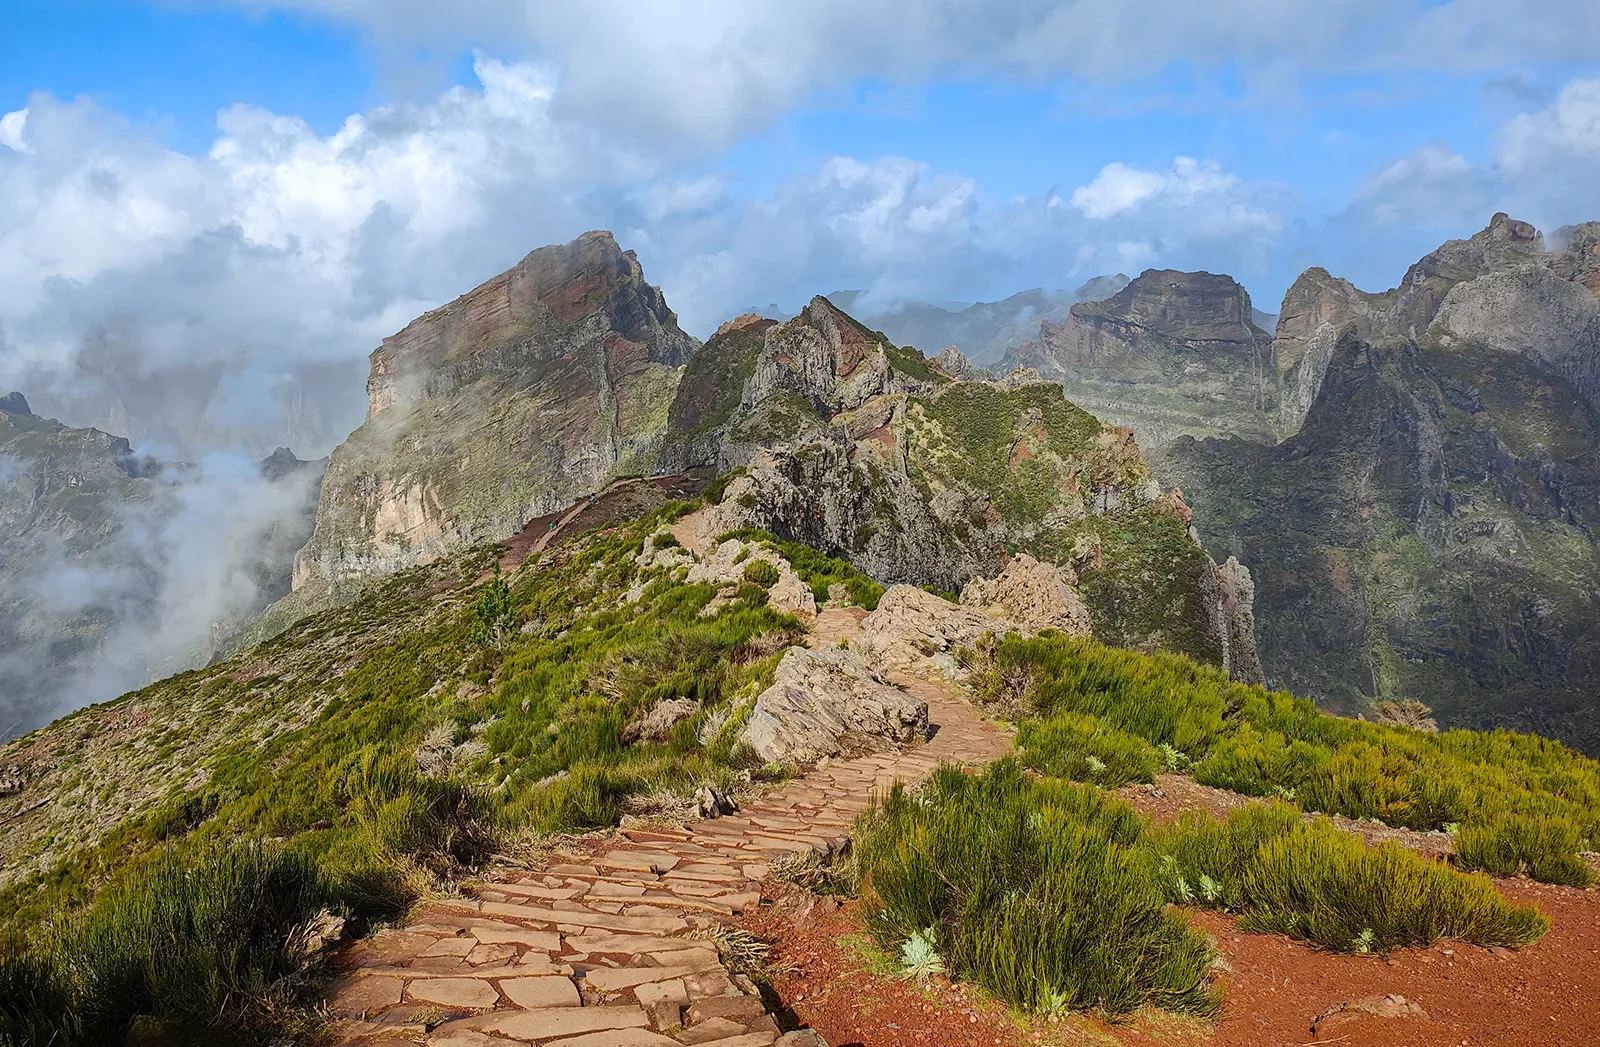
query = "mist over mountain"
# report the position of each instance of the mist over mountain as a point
(118, 568)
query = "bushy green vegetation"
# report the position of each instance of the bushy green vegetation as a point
(1524, 802)
(199, 948)
(978, 428)
(762, 573)
(1538, 846)
(1083, 748)
(817, 570)
(1041, 891)
(1313, 881)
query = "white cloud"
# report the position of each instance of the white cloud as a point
(1433, 187)
(712, 70)
(12, 126)
(136, 283)
(1542, 170)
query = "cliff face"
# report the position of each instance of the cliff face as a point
(871, 452)
(1429, 530)
(513, 400)
(1319, 307)
(1170, 354)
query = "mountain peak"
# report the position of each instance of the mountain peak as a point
(14, 403)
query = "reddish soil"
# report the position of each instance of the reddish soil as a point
(1547, 995)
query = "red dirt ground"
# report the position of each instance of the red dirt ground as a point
(1547, 995)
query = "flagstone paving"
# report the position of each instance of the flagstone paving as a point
(613, 949)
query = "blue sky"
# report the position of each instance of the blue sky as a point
(253, 187)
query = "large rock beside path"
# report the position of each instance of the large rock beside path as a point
(829, 702)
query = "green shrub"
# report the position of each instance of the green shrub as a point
(1543, 848)
(493, 614)
(1272, 744)
(1085, 749)
(36, 1003)
(1040, 891)
(817, 569)
(762, 573)
(204, 948)
(1313, 881)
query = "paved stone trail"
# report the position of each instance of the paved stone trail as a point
(613, 949)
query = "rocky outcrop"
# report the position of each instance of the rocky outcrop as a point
(829, 702)
(512, 401)
(1171, 353)
(885, 461)
(955, 364)
(1032, 596)
(758, 382)
(1316, 310)
(729, 563)
(913, 628)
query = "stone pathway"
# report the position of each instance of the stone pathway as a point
(614, 948)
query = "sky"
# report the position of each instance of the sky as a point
(211, 211)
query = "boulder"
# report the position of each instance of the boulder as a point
(1031, 595)
(662, 718)
(1348, 1016)
(829, 702)
(915, 628)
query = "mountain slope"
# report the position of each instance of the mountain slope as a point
(869, 452)
(1429, 532)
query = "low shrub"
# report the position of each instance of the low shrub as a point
(1313, 881)
(1041, 891)
(762, 573)
(203, 948)
(816, 569)
(1085, 749)
(1541, 847)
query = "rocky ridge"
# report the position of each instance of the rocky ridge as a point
(844, 442)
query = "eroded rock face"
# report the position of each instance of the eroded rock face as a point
(1032, 595)
(1445, 449)
(829, 702)
(955, 364)
(510, 402)
(913, 628)
(1500, 286)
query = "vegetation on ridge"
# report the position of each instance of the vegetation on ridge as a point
(1523, 803)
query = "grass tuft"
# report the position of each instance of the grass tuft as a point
(1040, 891)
